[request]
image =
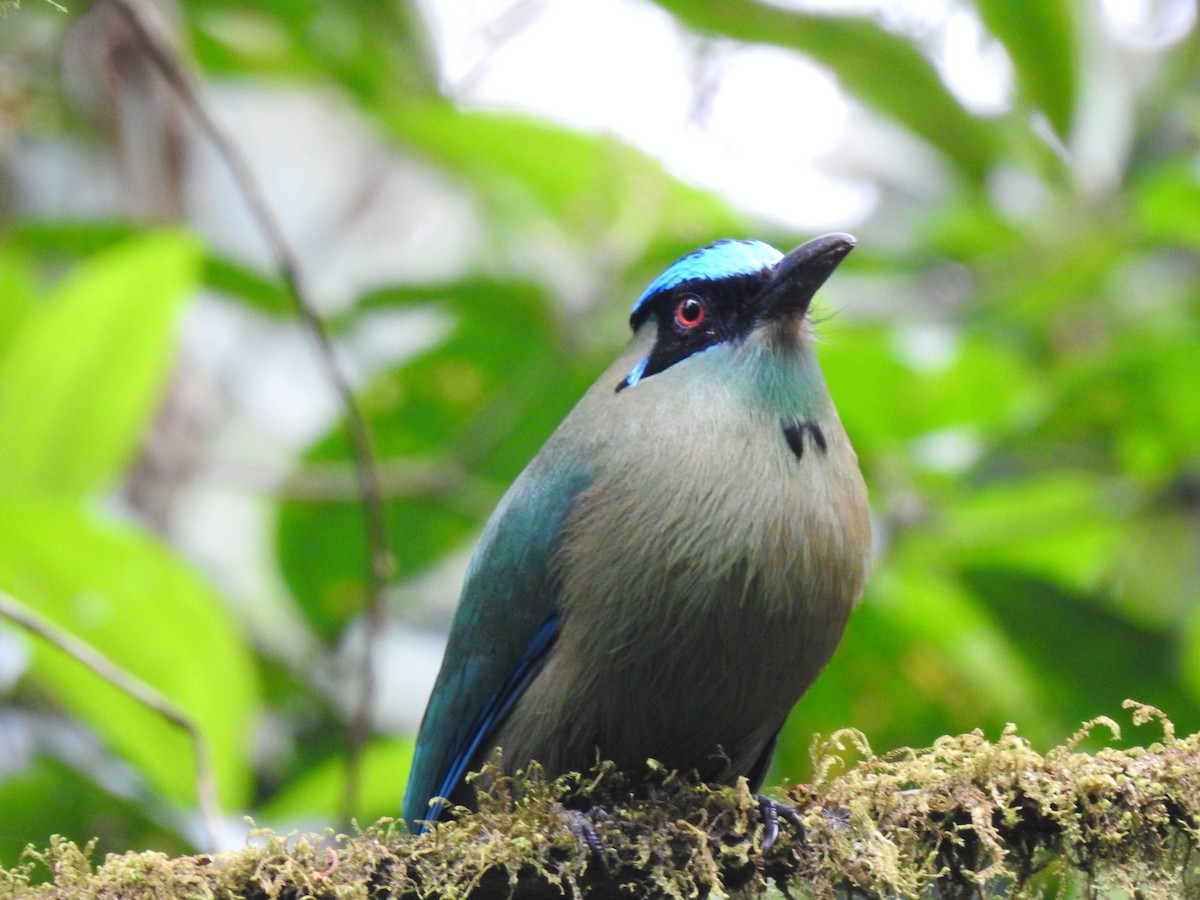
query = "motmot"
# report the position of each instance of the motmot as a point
(677, 564)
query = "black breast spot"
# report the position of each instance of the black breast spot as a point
(793, 433)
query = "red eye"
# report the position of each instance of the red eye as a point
(690, 311)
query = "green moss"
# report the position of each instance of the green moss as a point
(966, 817)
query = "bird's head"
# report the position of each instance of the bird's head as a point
(723, 293)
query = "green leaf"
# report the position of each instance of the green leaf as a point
(1087, 658)
(74, 237)
(587, 184)
(884, 71)
(1040, 37)
(1189, 654)
(317, 793)
(375, 52)
(1059, 526)
(1135, 403)
(16, 295)
(867, 367)
(122, 593)
(265, 293)
(1165, 200)
(1157, 569)
(923, 598)
(83, 375)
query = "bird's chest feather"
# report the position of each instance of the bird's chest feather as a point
(749, 547)
(709, 571)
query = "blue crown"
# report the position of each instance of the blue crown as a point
(720, 260)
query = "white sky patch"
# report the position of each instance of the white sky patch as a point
(1149, 25)
(950, 451)
(749, 122)
(973, 65)
(616, 65)
(1016, 192)
(927, 347)
(770, 118)
(14, 660)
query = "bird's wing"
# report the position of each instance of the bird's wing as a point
(506, 621)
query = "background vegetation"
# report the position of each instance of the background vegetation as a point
(1016, 356)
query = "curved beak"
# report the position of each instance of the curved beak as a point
(800, 273)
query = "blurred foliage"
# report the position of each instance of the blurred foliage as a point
(1026, 403)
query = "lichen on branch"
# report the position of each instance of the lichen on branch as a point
(967, 817)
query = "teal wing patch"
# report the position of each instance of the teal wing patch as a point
(505, 624)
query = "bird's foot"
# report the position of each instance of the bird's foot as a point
(771, 810)
(582, 825)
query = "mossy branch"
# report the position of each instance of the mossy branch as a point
(966, 817)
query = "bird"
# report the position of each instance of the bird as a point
(678, 562)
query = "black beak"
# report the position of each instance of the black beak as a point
(799, 274)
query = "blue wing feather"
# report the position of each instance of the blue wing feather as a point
(506, 622)
(497, 707)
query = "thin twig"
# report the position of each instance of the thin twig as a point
(381, 563)
(132, 686)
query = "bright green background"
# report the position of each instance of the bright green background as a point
(1052, 575)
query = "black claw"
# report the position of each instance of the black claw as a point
(771, 810)
(583, 829)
